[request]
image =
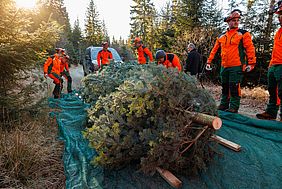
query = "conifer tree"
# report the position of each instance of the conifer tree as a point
(106, 36)
(77, 42)
(143, 16)
(21, 48)
(93, 28)
(165, 28)
(55, 10)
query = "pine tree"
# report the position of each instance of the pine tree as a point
(209, 15)
(93, 28)
(76, 40)
(143, 16)
(188, 15)
(55, 10)
(106, 36)
(165, 28)
(20, 51)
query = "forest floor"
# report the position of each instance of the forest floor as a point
(31, 154)
(253, 101)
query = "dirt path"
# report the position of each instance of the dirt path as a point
(77, 74)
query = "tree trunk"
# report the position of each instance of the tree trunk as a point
(269, 21)
(204, 119)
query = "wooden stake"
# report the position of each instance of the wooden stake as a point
(169, 177)
(226, 143)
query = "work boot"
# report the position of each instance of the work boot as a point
(266, 116)
(221, 107)
(231, 110)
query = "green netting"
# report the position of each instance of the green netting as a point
(258, 165)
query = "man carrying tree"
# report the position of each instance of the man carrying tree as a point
(52, 69)
(168, 59)
(237, 55)
(104, 56)
(65, 72)
(274, 75)
(144, 54)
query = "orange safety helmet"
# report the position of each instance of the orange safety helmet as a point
(136, 40)
(236, 13)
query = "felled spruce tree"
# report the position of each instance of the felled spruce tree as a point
(136, 114)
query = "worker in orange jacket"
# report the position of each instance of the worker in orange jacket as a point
(65, 72)
(169, 60)
(237, 55)
(104, 56)
(52, 69)
(144, 54)
(274, 74)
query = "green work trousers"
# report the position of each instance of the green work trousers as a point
(230, 81)
(274, 77)
(66, 75)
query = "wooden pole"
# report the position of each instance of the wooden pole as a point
(226, 143)
(169, 177)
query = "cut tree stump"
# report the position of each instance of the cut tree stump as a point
(169, 177)
(204, 119)
(226, 143)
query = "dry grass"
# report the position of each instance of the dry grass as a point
(253, 100)
(257, 93)
(30, 154)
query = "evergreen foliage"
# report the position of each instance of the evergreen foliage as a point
(22, 46)
(134, 116)
(93, 26)
(143, 16)
(77, 43)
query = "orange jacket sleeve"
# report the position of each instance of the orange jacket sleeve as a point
(250, 49)
(176, 63)
(214, 51)
(47, 64)
(149, 54)
(99, 59)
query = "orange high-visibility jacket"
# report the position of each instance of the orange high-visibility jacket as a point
(104, 56)
(172, 60)
(235, 45)
(64, 64)
(276, 57)
(52, 64)
(143, 54)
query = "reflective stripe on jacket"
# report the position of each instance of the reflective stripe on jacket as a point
(104, 56)
(276, 57)
(52, 65)
(172, 60)
(235, 45)
(143, 54)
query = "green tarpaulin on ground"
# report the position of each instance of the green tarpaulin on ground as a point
(257, 166)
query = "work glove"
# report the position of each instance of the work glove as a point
(249, 68)
(208, 67)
